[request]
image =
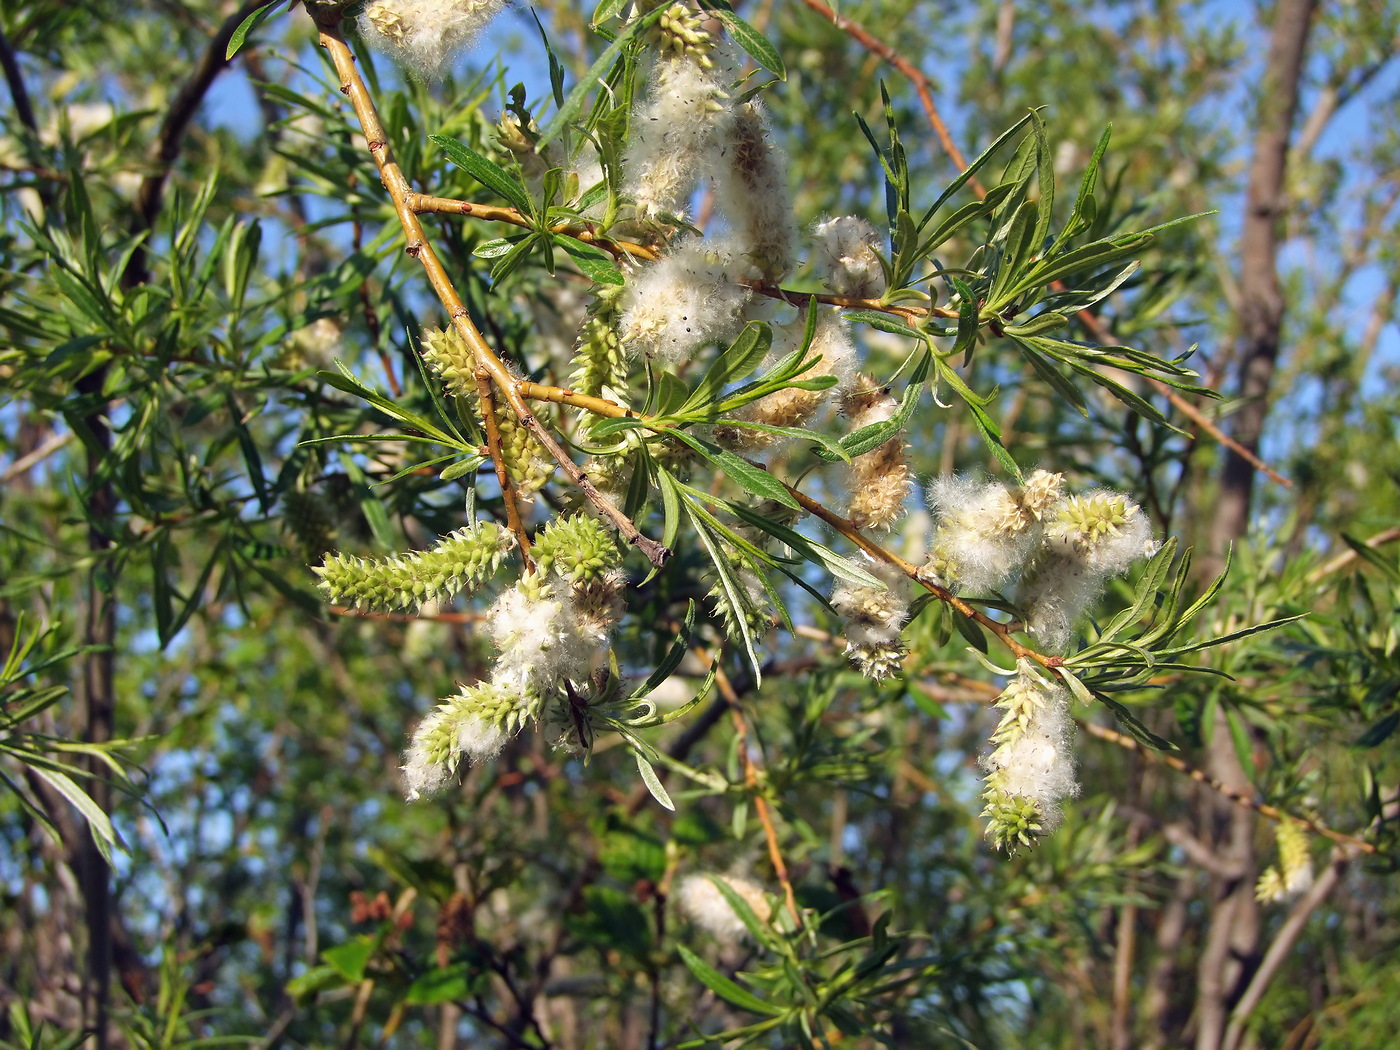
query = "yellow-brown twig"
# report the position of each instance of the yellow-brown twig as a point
(423, 203)
(493, 443)
(558, 395)
(753, 785)
(328, 22)
(912, 314)
(1346, 557)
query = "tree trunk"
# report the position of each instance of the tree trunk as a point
(1261, 295)
(1232, 939)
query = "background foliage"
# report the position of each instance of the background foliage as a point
(174, 228)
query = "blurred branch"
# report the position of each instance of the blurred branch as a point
(1283, 943)
(921, 83)
(52, 444)
(1346, 557)
(1237, 797)
(14, 77)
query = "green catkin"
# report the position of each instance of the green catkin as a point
(599, 360)
(460, 561)
(578, 547)
(527, 462)
(1011, 820)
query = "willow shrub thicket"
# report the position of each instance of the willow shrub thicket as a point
(518, 549)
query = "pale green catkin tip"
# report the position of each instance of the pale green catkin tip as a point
(449, 356)
(1093, 517)
(1012, 820)
(578, 547)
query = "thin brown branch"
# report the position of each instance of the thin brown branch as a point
(921, 83)
(509, 494)
(14, 77)
(52, 444)
(1346, 557)
(1237, 797)
(1283, 942)
(915, 573)
(755, 788)
(915, 315)
(417, 245)
(423, 203)
(599, 406)
(1186, 408)
(976, 691)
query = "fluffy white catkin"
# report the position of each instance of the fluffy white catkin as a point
(683, 301)
(426, 36)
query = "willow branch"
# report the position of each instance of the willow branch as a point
(423, 203)
(493, 444)
(846, 528)
(915, 315)
(418, 246)
(1190, 411)
(1239, 798)
(753, 785)
(977, 691)
(1346, 557)
(922, 87)
(1283, 942)
(921, 83)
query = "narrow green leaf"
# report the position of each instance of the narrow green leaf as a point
(674, 655)
(653, 782)
(972, 169)
(497, 247)
(1380, 732)
(247, 26)
(754, 43)
(970, 630)
(1239, 737)
(596, 264)
(1045, 183)
(597, 74)
(1054, 379)
(486, 172)
(349, 959)
(1148, 585)
(739, 359)
(723, 987)
(103, 834)
(752, 479)
(670, 505)
(1133, 725)
(443, 985)
(884, 323)
(606, 10)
